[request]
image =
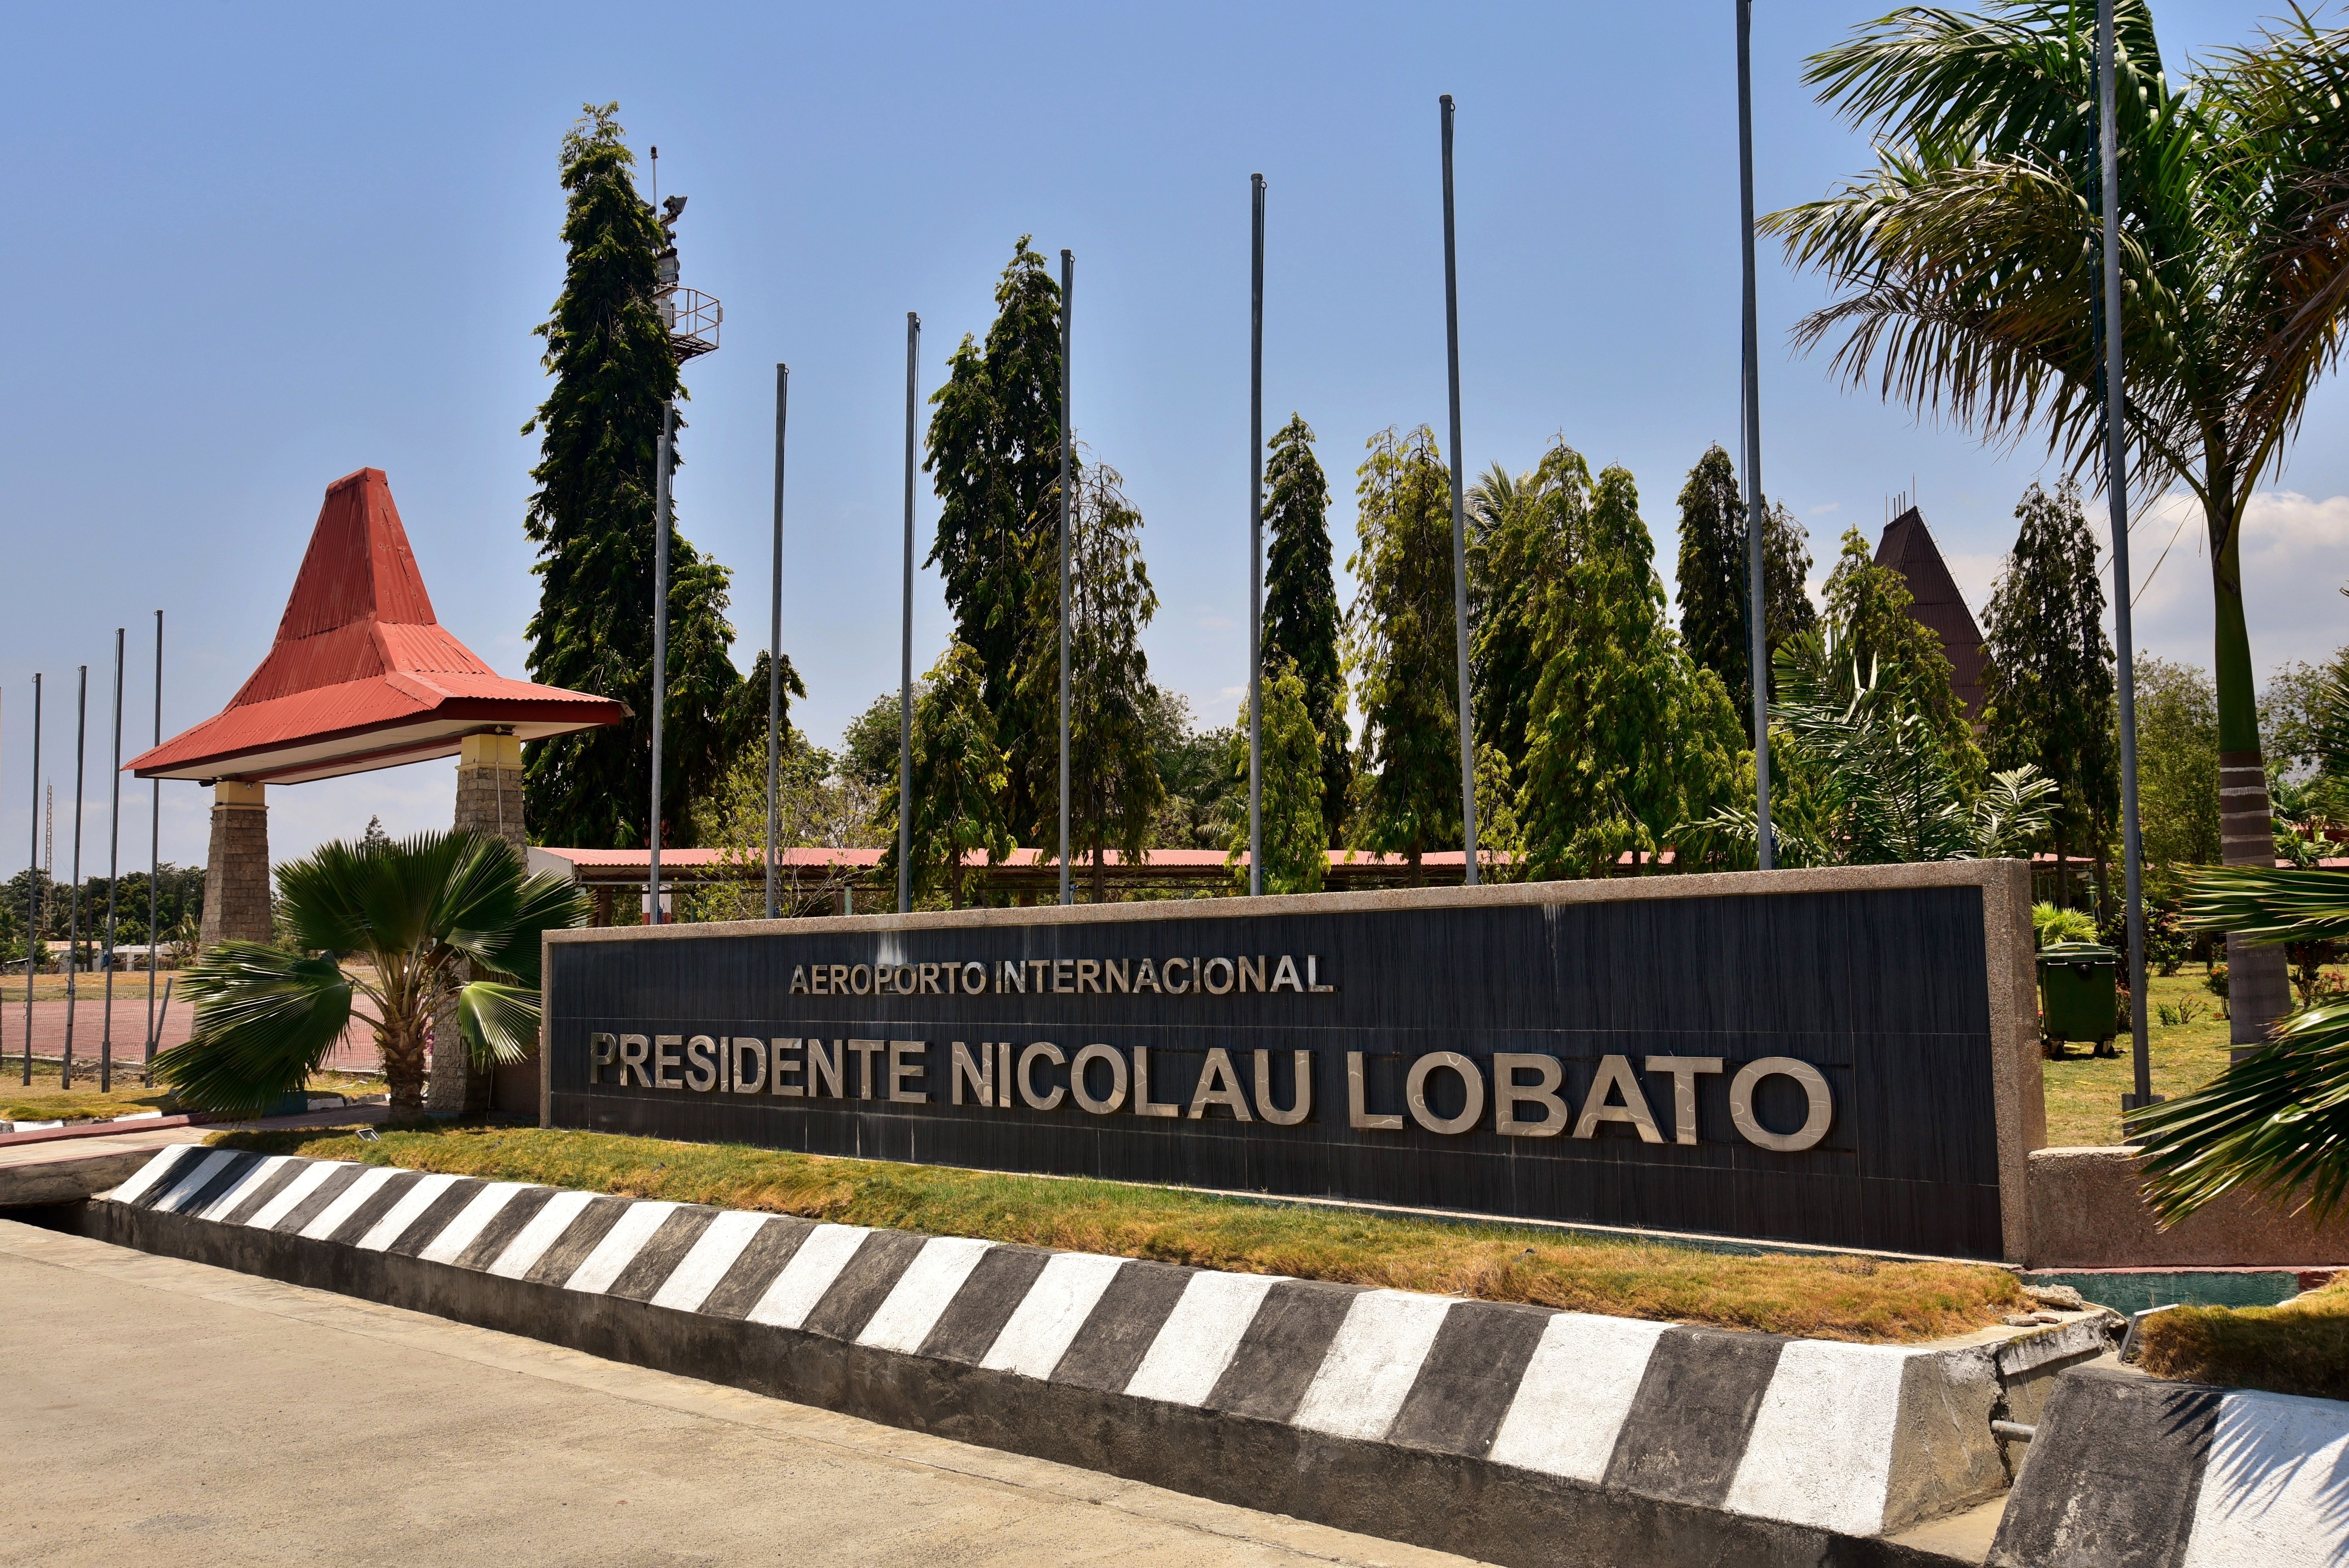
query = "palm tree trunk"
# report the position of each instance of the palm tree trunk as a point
(403, 1068)
(2259, 988)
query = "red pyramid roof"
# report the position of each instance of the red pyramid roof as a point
(361, 675)
(1937, 604)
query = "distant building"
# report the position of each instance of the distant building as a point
(1937, 605)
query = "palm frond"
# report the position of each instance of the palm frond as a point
(2270, 904)
(544, 902)
(264, 1020)
(500, 1022)
(475, 902)
(2276, 1124)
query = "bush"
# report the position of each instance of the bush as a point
(2216, 981)
(2050, 924)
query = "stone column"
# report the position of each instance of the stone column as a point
(236, 870)
(489, 802)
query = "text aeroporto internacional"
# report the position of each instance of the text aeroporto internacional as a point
(992, 1073)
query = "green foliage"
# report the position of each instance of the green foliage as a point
(2276, 1123)
(1629, 737)
(1302, 624)
(2050, 924)
(592, 520)
(1399, 647)
(818, 804)
(2177, 764)
(423, 915)
(1521, 529)
(1114, 790)
(1714, 572)
(1968, 265)
(1195, 772)
(994, 454)
(959, 775)
(2048, 690)
(1296, 833)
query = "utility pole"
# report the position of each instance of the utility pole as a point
(1459, 518)
(113, 878)
(35, 904)
(1255, 519)
(73, 899)
(906, 672)
(775, 642)
(154, 859)
(1068, 465)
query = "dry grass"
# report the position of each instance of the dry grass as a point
(2300, 1347)
(1833, 1298)
(46, 1101)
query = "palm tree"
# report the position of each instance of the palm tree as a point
(432, 920)
(1968, 272)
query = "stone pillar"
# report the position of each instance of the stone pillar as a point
(489, 802)
(236, 870)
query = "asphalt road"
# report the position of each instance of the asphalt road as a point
(166, 1412)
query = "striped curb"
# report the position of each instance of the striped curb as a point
(2127, 1469)
(1516, 1433)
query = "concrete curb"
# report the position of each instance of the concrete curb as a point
(1516, 1434)
(2128, 1469)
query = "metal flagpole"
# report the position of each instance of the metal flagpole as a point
(906, 674)
(2116, 495)
(1068, 464)
(1758, 629)
(775, 640)
(660, 653)
(73, 901)
(154, 857)
(1459, 518)
(1256, 537)
(33, 900)
(113, 876)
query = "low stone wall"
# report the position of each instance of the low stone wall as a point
(1514, 1434)
(2085, 1213)
(2128, 1469)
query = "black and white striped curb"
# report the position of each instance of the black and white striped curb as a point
(1007, 1345)
(2127, 1469)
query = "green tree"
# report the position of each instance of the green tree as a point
(2048, 691)
(1296, 838)
(1194, 771)
(819, 805)
(1115, 789)
(2177, 767)
(1301, 623)
(1522, 528)
(592, 520)
(1869, 605)
(959, 781)
(1969, 274)
(1714, 571)
(994, 454)
(1400, 648)
(435, 920)
(1630, 735)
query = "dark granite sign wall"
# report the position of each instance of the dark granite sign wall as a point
(1812, 1066)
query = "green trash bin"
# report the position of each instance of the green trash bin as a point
(2079, 991)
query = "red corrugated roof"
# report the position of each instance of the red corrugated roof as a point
(361, 675)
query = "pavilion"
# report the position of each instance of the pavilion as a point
(360, 676)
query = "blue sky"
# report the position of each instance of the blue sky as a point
(261, 247)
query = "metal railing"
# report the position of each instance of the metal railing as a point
(692, 319)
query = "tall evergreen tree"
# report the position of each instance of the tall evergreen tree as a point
(1631, 737)
(994, 454)
(1301, 623)
(1399, 647)
(1523, 528)
(1115, 789)
(2048, 691)
(1713, 571)
(1871, 603)
(592, 520)
(958, 781)
(1294, 845)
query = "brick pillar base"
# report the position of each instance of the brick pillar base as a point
(236, 870)
(489, 802)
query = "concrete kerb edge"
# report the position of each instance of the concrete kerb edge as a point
(1917, 1419)
(2017, 1087)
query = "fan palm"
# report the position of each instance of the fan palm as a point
(437, 919)
(1968, 271)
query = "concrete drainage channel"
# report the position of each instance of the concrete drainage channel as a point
(1514, 1434)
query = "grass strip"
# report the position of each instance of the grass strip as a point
(2299, 1348)
(1852, 1298)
